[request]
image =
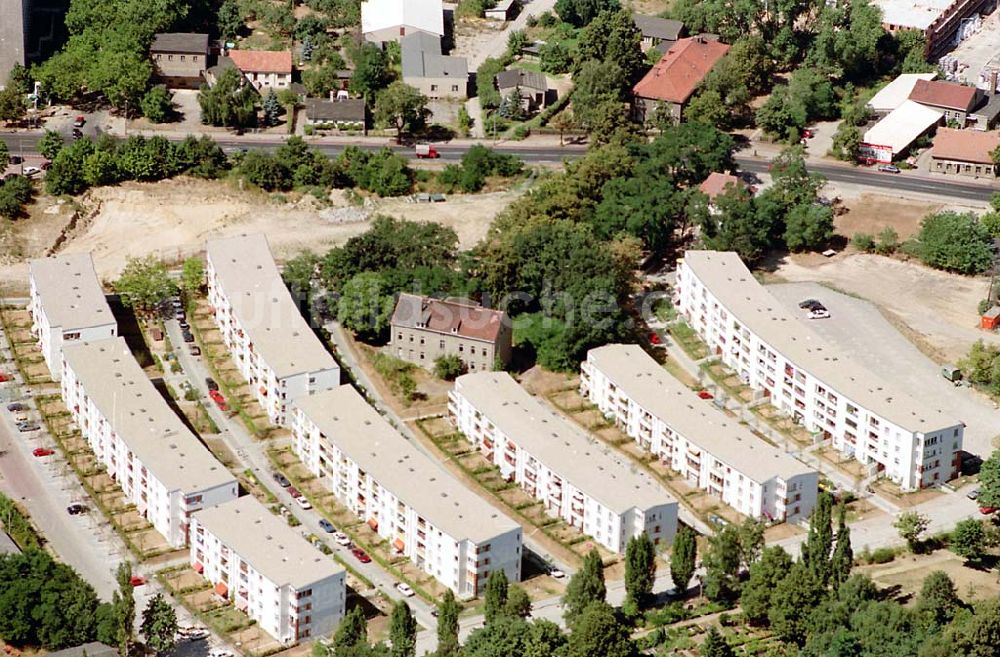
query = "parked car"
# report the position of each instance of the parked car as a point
(17, 406)
(195, 350)
(219, 400)
(819, 314)
(79, 121)
(294, 492)
(4, 377)
(808, 133)
(304, 503)
(16, 159)
(973, 494)
(555, 573)
(185, 326)
(361, 555)
(188, 337)
(889, 168)
(210, 383)
(77, 133)
(342, 539)
(137, 580)
(76, 509)
(654, 338)
(810, 304)
(27, 427)
(21, 417)
(326, 526)
(179, 314)
(705, 394)
(195, 633)
(281, 479)
(220, 652)
(405, 590)
(987, 510)
(43, 451)
(31, 171)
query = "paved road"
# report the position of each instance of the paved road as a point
(906, 182)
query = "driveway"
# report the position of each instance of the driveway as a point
(858, 327)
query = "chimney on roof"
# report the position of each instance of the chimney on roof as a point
(994, 73)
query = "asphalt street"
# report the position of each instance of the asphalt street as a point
(906, 181)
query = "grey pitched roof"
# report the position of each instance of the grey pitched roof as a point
(422, 58)
(517, 77)
(658, 28)
(179, 42)
(93, 649)
(989, 108)
(351, 109)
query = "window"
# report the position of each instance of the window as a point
(170, 58)
(194, 58)
(454, 88)
(183, 58)
(434, 87)
(441, 344)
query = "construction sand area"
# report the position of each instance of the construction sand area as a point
(172, 219)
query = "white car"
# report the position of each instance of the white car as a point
(405, 590)
(220, 652)
(195, 633)
(31, 171)
(303, 502)
(555, 573)
(819, 314)
(342, 539)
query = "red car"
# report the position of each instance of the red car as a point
(80, 120)
(43, 451)
(987, 510)
(705, 394)
(294, 492)
(654, 338)
(137, 580)
(4, 377)
(219, 400)
(808, 134)
(361, 555)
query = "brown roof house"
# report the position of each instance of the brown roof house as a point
(531, 86)
(673, 79)
(336, 113)
(180, 58)
(425, 329)
(718, 184)
(956, 100)
(264, 69)
(964, 152)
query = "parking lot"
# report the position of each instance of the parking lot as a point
(858, 327)
(978, 50)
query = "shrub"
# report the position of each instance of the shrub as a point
(863, 242)
(883, 555)
(888, 241)
(449, 367)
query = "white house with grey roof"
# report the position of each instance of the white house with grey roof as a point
(423, 512)
(67, 305)
(531, 86)
(712, 451)
(161, 467)
(268, 570)
(272, 345)
(576, 477)
(434, 74)
(391, 20)
(820, 386)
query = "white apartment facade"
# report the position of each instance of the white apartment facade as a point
(268, 570)
(271, 343)
(160, 465)
(578, 479)
(690, 435)
(426, 515)
(67, 305)
(820, 386)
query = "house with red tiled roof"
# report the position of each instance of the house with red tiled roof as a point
(718, 184)
(672, 80)
(425, 329)
(957, 101)
(964, 152)
(264, 69)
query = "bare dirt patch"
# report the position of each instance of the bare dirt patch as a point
(871, 213)
(173, 218)
(937, 307)
(909, 571)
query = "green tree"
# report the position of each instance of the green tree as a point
(50, 144)
(447, 625)
(613, 37)
(192, 276)
(518, 602)
(683, 555)
(715, 645)
(371, 71)
(585, 586)
(503, 637)
(765, 575)
(819, 542)
(793, 599)
(401, 106)
(352, 631)
(640, 569)
(4, 155)
(449, 367)
(955, 242)
(15, 193)
(989, 481)
(938, 600)
(554, 57)
(495, 596)
(751, 535)
(843, 554)
(597, 632)
(808, 227)
(266, 171)
(228, 103)
(545, 639)
(707, 107)
(722, 565)
(968, 540)
(580, 13)
(364, 307)
(66, 175)
(272, 109)
(782, 115)
(159, 625)
(230, 19)
(12, 105)
(402, 631)
(124, 598)
(911, 525)
(846, 142)
(100, 168)
(598, 103)
(157, 105)
(143, 284)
